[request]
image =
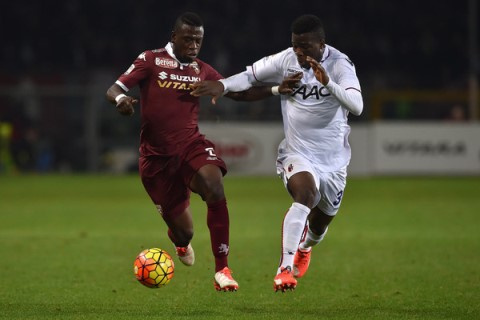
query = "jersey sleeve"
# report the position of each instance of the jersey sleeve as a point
(138, 71)
(344, 74)
(344, 85)
(269, 69)
(212, 74)
(266, 70)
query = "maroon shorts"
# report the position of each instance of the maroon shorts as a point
(167, 179)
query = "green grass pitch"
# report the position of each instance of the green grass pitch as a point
(400, 248)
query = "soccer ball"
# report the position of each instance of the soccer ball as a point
(153, 267)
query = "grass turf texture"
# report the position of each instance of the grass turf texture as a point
(400, 248)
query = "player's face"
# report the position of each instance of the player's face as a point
(307, 44)
(187, 41)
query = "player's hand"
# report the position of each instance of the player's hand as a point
(319, 71)
(290, 83)
(207, 88)
(125, 106)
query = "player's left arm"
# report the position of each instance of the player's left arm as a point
(242, 86)
(347, 90)
(216, 90)
(252, 94)
(219, 87)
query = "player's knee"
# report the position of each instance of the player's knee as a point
(318, 226)
(318, 230)
(319, 221)
(213, 191)
(307, 197)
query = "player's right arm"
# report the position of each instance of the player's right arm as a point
(138, 71)
(116, 95)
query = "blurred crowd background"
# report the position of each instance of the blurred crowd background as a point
(58, 58)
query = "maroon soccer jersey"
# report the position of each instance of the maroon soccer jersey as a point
(169, 113)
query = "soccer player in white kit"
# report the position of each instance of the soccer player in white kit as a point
(320, 90)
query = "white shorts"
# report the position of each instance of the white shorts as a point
(330, 185)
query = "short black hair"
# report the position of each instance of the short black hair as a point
(189, 18)
(308, 23)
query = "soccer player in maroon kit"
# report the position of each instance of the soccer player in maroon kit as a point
(175, 158)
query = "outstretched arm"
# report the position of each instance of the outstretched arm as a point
(115, 94)
(239, 82)
(261, 92)
(252, 94)
(216, 89)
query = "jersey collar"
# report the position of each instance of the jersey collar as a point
(169, 49)
(326, 53)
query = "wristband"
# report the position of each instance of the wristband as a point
(275, 91)
(120, 96)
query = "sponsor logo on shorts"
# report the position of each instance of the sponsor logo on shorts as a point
(166, 63)
(290, 168)
(211, 154)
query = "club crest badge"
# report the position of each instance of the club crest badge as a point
(194, 65)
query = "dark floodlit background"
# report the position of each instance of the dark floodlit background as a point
(57, 59)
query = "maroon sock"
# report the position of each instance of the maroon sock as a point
(218, 224)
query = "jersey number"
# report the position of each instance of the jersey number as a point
(339, 198)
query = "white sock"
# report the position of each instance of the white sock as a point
(312, 239)
(292, 229)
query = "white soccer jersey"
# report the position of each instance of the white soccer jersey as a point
(315, 123)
